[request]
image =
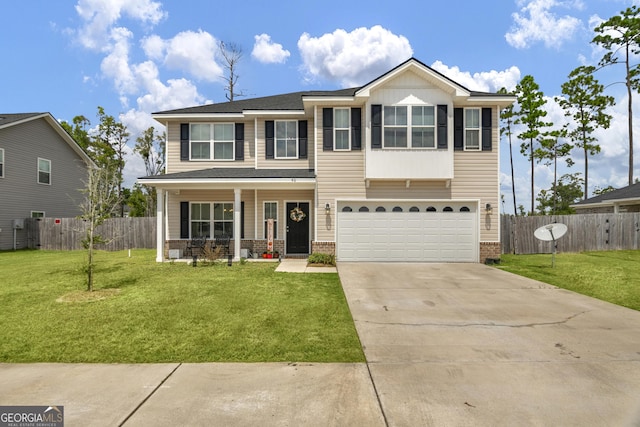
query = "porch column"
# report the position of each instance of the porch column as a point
(160, 225)
(237, 226)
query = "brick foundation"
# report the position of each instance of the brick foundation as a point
(323, 248)
(255, 246)
(489, 250)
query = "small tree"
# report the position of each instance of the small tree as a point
(101, 198)
(560, 197)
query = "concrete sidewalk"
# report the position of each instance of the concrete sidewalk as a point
(292, 265)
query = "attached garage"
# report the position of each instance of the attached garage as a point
(413, 231)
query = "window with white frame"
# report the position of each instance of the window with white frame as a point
(341, 129)
(271, 212)
(423, 122)
(395, 126)
(286, 139)
(212, 141)
(1, 162)
(200, 220)
(223, 219)
(44, 171)
(37, 214)
(472, 129)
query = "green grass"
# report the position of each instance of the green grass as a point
(169, 312)
(612, 276)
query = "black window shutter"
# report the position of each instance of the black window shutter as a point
(242, 220)
(184, 141)
(486, 129)
(356, 129)
(376, 126)
(302, 139)
(327, 129)
(442, 126)
(458, 128)
(269, 132)
(184, 220)
(239, 141)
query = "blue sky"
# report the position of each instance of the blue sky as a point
(135, 57)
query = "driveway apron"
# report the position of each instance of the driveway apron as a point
(471, 345)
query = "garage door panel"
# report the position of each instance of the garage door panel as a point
(407, 236)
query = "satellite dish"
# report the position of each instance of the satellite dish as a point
(550, 232)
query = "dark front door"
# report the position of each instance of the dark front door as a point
(298, 228)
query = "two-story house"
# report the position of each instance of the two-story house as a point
(42, 170)
(404, 168)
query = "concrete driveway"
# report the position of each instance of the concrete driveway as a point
(470, 345)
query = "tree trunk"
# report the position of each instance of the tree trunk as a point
(513, 180)
(532, 171)
(630, 117)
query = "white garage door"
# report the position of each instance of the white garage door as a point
(418, 231)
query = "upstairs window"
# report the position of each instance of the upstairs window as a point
(286, 139)
(1, 162)
(395, 127)
(212, 141)
(44, 171)
(342, 129)
(472, 129)
(423, 125)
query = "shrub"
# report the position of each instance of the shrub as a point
(320, 258)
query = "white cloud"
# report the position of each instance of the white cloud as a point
(352, 58)
(99, 17)
(268, 52)
(116, 64)
(535, 22)
(189, 51)
(485, 81)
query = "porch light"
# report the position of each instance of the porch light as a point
(327, 208)
(488, 208)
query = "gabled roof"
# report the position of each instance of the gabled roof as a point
(295, 101)
(630, 193)
(14, 119)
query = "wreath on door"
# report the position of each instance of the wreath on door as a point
(297, 214)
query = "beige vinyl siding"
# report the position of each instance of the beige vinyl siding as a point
(250, 211)
(264, 163)
(174, 164)
(341, 177)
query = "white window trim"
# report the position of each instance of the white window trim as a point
(212, 143)
(39, 212)
(264, 219)
(213, 217)
(275, 141)
(2, 162)
(191, 220)
(336, 129)
(464, 134)
(38, 172)
(409, 127)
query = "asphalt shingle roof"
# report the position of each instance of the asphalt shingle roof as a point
(237, 173)
(6, 119)
(630, 192)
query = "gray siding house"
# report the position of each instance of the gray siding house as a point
(41, 172)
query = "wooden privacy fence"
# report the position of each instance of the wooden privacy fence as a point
(588, 232)
(67, 233)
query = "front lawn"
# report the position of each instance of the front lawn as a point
(612, 276)
(168, 312)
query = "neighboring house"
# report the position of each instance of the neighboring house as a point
(625, 199)
(41, 171)
(404, 168)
